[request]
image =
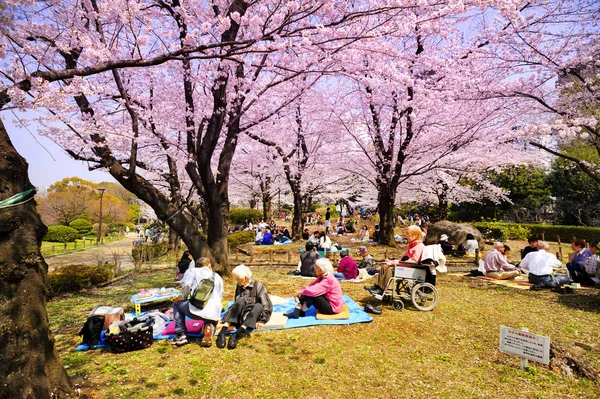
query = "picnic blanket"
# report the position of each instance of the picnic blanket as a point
(285, 305)
(354, 280)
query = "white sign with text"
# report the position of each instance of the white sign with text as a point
(525, 344)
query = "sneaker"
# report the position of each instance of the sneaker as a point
(179, 339)
(207, 338)
(371, 287)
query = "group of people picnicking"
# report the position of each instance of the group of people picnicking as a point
(252, 306)
(541, 266)
(269, 234)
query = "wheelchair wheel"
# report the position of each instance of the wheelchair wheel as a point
(424, 296)
(398, 304)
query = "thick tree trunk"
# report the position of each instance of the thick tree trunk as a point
(217, 233)
(298, 220)
(443, 208)
(386, 200)
(28, 363)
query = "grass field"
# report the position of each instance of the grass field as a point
(451, 352)
(50, 249)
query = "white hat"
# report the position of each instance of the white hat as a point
(443, 237)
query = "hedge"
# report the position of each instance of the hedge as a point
(61, 234)
(147, 253)
(241, 237)
(566, 233)
(239, 215)
(515, 231)
(76, 277)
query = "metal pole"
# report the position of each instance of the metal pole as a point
(100, 221)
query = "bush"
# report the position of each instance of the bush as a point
(75, 277)
(147, 253)
(566, 233)
(61, 234)
(239, 215)
(83, 227)
(241, 237)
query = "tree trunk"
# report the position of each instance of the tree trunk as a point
(174, 241)
(298, 220)
(443, 208)
(386, 202)
(29, 365)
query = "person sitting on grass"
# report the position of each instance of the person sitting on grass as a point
(314, 238)
(211, 311)
(268, 238)
(308, 260)
(496, 265)
(590, 265)
(305, 234)
(413, 253)
(471, 245)
(446, 246)
(363, 235)
(367, 262)
(540, 266)
(325, 293)
(183, 265)
(347, 268)
(580, 255)
(533, 247)
(252, 307)
(259, 237)
(324, 242)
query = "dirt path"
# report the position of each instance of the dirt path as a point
(118, 250)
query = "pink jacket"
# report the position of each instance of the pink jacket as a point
(414, 251)
(328, 286)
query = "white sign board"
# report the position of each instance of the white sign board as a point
(525, 344)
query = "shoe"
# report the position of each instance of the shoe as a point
(536, 287)
(221, 338)
(370, 287)
(233, 339)
(179, 340)
(559, 290)
(569, 290)
(207, 339)
(293, 315)
(373, 309)
(376, 291)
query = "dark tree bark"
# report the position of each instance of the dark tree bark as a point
(386, 201)
(29, 365)
(443, 201)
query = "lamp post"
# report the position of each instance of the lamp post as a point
(101, 189)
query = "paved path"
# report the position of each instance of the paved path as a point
(118, 250)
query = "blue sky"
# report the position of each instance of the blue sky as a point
(48, 165)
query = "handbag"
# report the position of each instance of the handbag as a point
(133, 335)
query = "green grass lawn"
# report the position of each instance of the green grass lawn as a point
(451, 352)
(56, 248)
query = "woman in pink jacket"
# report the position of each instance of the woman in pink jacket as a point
(325, 293)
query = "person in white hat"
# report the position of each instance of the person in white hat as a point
(447, 248)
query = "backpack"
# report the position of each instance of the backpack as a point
(201, 292)
(91, 330)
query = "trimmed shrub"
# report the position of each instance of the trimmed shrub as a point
(147, 253)
(76, 277)
(241, 237)
(61, 234)
(503, 231)
(566, 233)
(83, 227)
(239, 215)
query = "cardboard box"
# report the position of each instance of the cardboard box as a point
(110, 314)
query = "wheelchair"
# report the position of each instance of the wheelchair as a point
(409, 282)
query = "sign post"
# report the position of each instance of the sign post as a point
(525, 344)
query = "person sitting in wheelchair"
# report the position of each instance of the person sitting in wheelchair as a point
(413, 253)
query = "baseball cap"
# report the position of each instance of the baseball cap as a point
(362, 249)
(343, 252)
(443, 237)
